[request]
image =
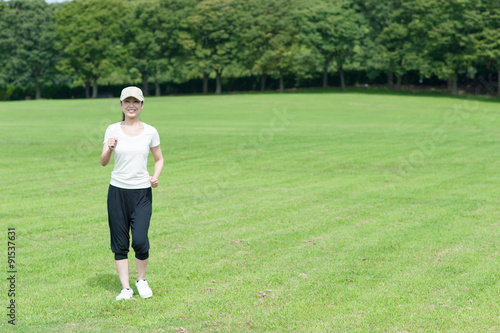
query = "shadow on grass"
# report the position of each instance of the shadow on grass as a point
(374, 91)
(106, 281)
(393, 92)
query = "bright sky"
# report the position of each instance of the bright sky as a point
(53, 1)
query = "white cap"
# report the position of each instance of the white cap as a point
(132, 92)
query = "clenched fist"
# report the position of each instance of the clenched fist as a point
(112, 142)
(153, 181)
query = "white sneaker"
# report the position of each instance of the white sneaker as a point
(143, 288)
(125, 294)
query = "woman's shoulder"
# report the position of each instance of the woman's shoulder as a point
(148, 128)
(115, 125)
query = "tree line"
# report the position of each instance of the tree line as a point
(85, 42)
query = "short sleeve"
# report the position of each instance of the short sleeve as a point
(155, 138)
(108, 134)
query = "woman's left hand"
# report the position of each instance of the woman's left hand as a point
(153, 181)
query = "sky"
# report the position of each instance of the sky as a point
(54, 1)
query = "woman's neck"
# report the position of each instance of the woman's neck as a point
(131, 122)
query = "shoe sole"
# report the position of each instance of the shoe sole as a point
(147, 295)
(122, 299)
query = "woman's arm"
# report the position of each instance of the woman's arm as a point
(156, 151)
(107, 151)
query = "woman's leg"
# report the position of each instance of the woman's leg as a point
(123, 272)
(139, 227)
(118, 220)
(141, 265)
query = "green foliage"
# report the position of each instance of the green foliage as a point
(440, 29)
(436, 38)
(5, 43)
(7, 92)
(28, 39)
(91, 35)
(159, 41)
(484, 40)
(270, 36)
(152, 38)
(395, 46)
(334, 29)
(211, 38)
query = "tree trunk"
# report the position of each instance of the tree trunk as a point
(157, 89)
(499, 82)
(342, 81)
(282, 83)
(454, 86)
(390, 80)
(205, 83)
(145, 85)
(94, 87)
(398, 82)
(38, 90)
(325, 74)
(87, 88)
(450, 89)
(263, 79)
(218, 87)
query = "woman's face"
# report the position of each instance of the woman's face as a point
(131, 107)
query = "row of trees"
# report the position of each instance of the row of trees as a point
(154, 41)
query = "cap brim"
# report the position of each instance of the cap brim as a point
(137, 98)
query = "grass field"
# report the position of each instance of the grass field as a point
(317, 212)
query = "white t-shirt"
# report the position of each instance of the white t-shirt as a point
(131, 156)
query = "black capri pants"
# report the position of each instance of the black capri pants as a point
(129, 210)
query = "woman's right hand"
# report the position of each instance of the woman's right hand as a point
(112, 142)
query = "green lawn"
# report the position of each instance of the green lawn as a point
(317, 212)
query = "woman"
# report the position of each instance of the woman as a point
(129, 194)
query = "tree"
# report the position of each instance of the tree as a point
(90, 32)
(378, 15)
(30, 39)
(394, 46)
(438, 31)
(334, 28)
(6, 43)
(486, 41)
(388, 41)
(152, 38)
(251, 19)
(269, 38)
(211, 38)
(279, 58)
